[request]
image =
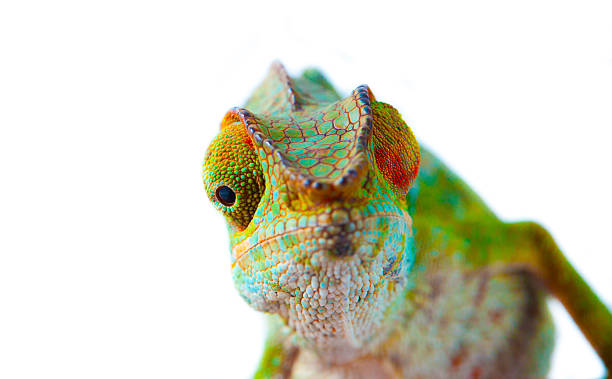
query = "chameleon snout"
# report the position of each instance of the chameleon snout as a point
(342, 247)
(341, 242)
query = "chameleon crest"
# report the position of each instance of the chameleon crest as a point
(323, 147)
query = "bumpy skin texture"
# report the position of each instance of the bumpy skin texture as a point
(325, 190)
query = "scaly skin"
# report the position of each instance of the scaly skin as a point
(319, 194)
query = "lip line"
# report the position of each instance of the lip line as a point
(246, 250)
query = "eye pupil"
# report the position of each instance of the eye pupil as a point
(226, 196)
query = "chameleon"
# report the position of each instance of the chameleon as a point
(370, 256)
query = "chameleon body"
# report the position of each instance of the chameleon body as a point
(372, 258)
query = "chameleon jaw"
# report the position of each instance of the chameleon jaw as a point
(334, 304)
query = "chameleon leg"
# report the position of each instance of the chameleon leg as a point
(544, 259)
(279, 353)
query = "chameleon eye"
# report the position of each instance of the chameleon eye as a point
(226, 196)
(233, 175)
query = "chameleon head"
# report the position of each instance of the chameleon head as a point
(314, 195)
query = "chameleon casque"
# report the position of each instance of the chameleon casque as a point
(372, 258)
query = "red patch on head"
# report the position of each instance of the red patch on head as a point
(391, 164)
(396, 151)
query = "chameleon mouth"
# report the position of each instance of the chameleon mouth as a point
(340, 238)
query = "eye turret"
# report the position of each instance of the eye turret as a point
(233, 176)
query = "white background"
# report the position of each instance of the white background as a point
(112, 262)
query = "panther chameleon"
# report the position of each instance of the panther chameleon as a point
(370, 256)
